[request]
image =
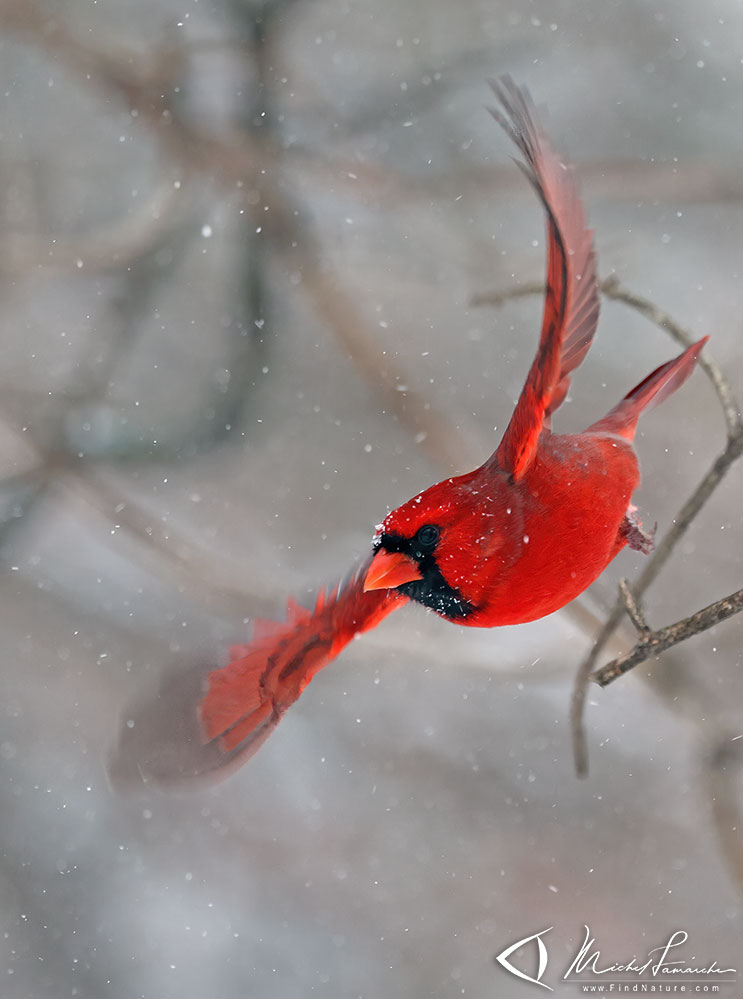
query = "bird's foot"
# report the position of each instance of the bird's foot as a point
(635, 535)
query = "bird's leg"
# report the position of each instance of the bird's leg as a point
(634, 534)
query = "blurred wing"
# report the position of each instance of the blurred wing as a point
(159, 739)
(245, 700)
(207, 723)
(571, 305)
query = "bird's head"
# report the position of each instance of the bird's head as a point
(437, 547)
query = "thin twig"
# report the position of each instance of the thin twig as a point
(499, 298)
(652, 643)
(633, 608)
(113, 246)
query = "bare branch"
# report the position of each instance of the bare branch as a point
(187, 563)
(652, 643)
(250, 165)
(630, 597)
(114, 246)
(499, 298)
(133, 76)
(633, 608)
(653, 566)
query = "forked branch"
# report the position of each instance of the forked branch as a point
(651, 643)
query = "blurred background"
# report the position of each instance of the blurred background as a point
(240, 247)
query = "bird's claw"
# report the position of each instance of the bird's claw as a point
(637, 538)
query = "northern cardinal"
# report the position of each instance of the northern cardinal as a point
(517, 538)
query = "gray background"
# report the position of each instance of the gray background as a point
(417, 810)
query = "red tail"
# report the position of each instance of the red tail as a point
(245, 701)
(658, 385)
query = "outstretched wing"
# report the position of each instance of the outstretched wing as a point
(203, 724)
(571, 305)
(244, 701)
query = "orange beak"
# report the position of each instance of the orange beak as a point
(390, 569)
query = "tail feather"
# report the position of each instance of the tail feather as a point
(651, 391)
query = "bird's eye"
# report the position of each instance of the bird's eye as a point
(427, 536)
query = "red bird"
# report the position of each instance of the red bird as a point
(517, 538)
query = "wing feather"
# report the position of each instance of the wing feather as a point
(266, 676)
(202, 724)
(571, 305)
